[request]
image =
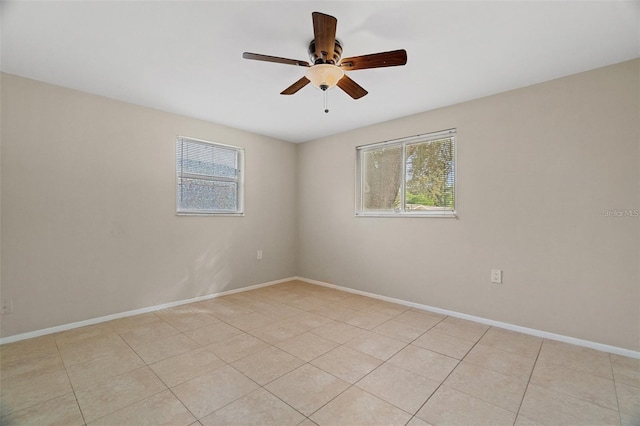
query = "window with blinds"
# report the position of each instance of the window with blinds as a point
(414, 176)
(209, 177)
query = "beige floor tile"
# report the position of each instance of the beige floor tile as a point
(356, 302)
(388, 308)
(399, 330)
(212, 333)
(512, 341)
(118, 392)
(450, 407)
(284, 295)
(37, 345)
(498, 389)
(247, 298)
(24, 391)
(161, 409)
(367, 319)
(626, 370)
(164, 347)
(267, 365)
(148, 332)
(497, 360)
(212, 391)
(71, 337)
(523, 421)
(257, 408)
(307, 388)
(444, 344)
(399, 387)
(31, 364)
(225, 310)
(596, 390)
(311, 320)
(307, 303)
(280, 310)
(92, 348)
(346, 363)
(178, 369)
(331, 295)
(376, 345)
(134, 321)
(547, 407)
(626, 420)
(576, 358)
(251, 321)
(357, 407)
(61, 411)
(348, 384)
(628, 399)
(186, 317)
(415, 421)
(237, 347)
(307, 346)
(334, 312)
(420, 361)
(419, 318)
(462, 329)
(280, 331)
(338, 332)
(98, 369)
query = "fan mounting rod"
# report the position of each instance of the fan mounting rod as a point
(326, 57)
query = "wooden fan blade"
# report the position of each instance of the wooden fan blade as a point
(267, 58)
(352, 88)
(375, 60)
(324, 31)
(296, 86)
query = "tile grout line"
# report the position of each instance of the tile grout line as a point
(451, 372)
(66, 371)
(529, 380)
(615, 389)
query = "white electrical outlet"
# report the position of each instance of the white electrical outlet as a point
(496, 276)
(259, 256)
(6, 306)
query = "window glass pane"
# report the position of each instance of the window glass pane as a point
(430, 175)
(209, 177)
(382, 177)
(205, 195)
(208, 160)
(413, 176)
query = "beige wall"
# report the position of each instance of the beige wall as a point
(88, 209)
(536, 167)
(89, 229)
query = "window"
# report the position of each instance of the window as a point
(209, 177)
(412, 176)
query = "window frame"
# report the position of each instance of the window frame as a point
(239, 180)
(403, 142)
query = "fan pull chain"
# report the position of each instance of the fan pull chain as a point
(326, 102)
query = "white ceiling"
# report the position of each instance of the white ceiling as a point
(186, 57)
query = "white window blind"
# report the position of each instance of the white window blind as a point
(413, 176)
(209, 177)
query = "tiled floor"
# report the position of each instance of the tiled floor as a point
(297, 353)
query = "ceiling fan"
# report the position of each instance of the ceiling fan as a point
(327, 69)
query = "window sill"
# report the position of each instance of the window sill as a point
(207, 214)
(450, 215)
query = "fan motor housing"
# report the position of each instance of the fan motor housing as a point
(331, 58)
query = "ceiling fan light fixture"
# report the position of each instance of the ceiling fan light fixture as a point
(324, 76)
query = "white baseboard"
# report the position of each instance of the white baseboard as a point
(92, 321)
(531, 331)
